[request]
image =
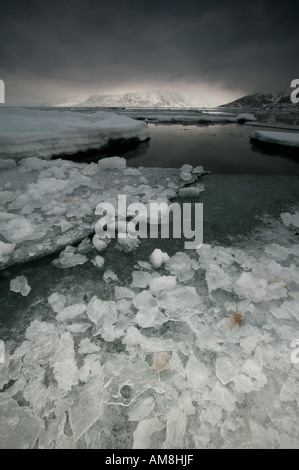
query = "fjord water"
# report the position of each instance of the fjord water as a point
(221, 149)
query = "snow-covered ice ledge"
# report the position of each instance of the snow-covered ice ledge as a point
(286, 139)
(186, 117)
(37, 133)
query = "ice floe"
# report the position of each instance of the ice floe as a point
(44, 133)
(288, 139)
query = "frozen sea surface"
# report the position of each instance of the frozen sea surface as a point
(195, 352)
(141, 343)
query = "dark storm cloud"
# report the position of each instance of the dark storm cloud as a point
(249, 45)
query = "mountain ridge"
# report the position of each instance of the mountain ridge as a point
(153, 99)
(270, 100)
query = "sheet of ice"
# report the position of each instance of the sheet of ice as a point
(51, 204)
(289, 139)
(44, 133)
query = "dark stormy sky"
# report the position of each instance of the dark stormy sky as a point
(63, 51)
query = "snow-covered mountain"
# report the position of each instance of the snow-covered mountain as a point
(278, 100)
(152, 99)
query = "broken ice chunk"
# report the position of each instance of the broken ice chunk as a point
(162, 283)
(141, 409)
(4, 378)
(185, 176)
(144, 265)
(198, 170)
(109, 275)
(65, 368)
(84, 247)
(86, 347)
(180, 265)
(258, 290)
(225, 369)
(100, 245)
(78, 327)
(143, 432)
(112, 163)
(19, 428)
(217, 278)
(18, 229)
(250, 378)
(245, 117)
(295, 273)
(144, 300)
(71, 312)
(177, 422)
(127, 244)
(149, 318)
(86, 406)
(180, 301)
(141, 279)
(132, 172)
(57, 301)
(186, 172)
(190, 192)
(158, 258)
(197, 373)
(289, 219)
(279, 252)
(104, 314)
(223, 397)
(68, 258)
(6, 249)
(123, 293)
(20, 284)
(98, 261)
